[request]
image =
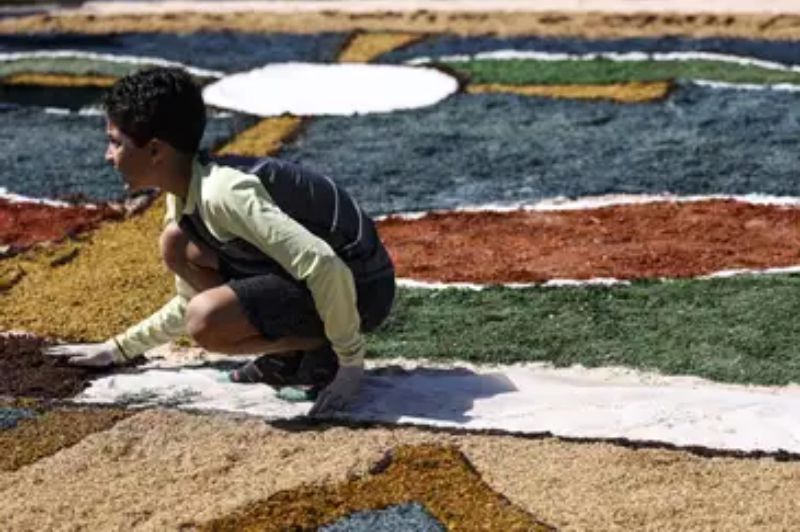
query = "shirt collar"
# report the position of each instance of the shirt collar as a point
(198, 172)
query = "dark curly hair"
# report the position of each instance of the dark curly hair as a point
(162, 103)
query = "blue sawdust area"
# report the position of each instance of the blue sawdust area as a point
(226, 51)
(478, 149)
(787, 52)
(410, 517)
(10, 417)
(47, 155)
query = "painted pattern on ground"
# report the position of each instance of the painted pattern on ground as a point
(510, 138)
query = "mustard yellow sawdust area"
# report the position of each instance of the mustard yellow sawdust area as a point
(364, 47)
(589, 25)
(58, 80)
(438, 477)
(264, 138)
(51, 431)
(633, 92)
(113, 280)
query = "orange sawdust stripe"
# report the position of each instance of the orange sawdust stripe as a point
(23, 224)
(264, 138)
(593, 25)
(439, 478)
(633, 92)
(365, 47)
(661, 239)
(58, 80)
(51, 431)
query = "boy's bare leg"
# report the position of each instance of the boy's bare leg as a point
(216, 321)
(215, 318)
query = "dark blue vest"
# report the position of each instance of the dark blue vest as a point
(318, 204)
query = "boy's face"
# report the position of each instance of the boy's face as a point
(134, 163)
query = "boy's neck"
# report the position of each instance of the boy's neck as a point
(178, 175)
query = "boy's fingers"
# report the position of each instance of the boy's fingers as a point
(59, 351)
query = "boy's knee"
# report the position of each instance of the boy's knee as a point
(173, 244)
(200, 322)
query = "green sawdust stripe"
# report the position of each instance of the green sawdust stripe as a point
(113, 280)
(594, 25)
(739, 330)
(66, 66)
(50, 431)
(438, 478)
(605, 71)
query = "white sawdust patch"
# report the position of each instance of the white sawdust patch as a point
(522, 398)
(338, 89)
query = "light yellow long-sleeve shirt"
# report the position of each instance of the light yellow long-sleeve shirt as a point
(234, 204)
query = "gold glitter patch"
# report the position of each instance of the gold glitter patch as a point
(364, 47)
(58, 80)
(439, 478)
(46, 434)
(592, 25)
(264, 138)
(632, 92)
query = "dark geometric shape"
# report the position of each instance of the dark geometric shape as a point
(226, 50)
(48, 155)
(478, 149)
(410, 517)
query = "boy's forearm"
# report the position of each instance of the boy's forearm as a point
(166, 324)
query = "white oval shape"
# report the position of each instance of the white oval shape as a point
(335, 89)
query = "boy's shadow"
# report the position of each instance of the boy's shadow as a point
(446, 395)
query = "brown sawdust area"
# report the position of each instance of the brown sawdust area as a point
(112, 281)
(593, 25)
(53, 430)
(25, 372)
(137, 474)
(634, 92)
(661, 239)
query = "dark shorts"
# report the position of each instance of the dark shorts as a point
(279, 306)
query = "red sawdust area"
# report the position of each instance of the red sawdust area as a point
(659, 239)
(26, 372)
(23, 224)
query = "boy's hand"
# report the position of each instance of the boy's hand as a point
(89, 355)
(340, 393)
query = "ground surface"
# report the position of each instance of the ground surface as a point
(537, 172)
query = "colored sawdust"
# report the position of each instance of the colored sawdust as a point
(634, 92)
(364, 47)
(25, 224)
(662, 239)
(24, 371)
(264, 138)
(591, 25)
(115, 280)
(437, 477)
(51, 431)
(136, 476)
(58, 80)
(606, 487)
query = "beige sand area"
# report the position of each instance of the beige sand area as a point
(161, 470)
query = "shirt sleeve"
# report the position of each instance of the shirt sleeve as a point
(246, 210)
(167, 323)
